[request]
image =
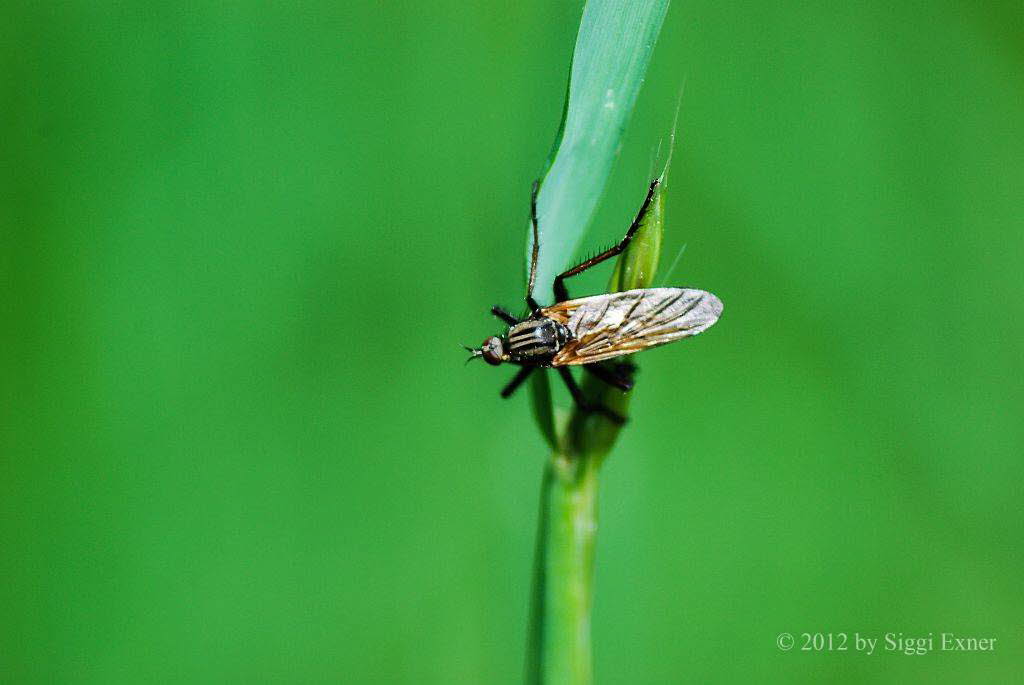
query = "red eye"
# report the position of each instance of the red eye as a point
(492, 350)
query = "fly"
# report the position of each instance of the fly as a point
(592, 329)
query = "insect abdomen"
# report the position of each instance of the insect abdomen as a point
(536, 339)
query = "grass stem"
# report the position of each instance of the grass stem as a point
(564, 574)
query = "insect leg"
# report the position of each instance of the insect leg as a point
(561, 293)
(530, 302)
(582, 402)
(623, 383)
(504, 315)
(516, 381)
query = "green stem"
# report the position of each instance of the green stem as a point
(563, 583)
(559, 648)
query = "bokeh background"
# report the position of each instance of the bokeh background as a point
(242, 242)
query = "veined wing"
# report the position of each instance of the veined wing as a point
(605, 326)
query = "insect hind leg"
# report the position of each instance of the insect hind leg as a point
(583, 403)
(561, 292)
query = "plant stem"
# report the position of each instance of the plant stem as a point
(559, 646)
(563, 583)
(612, 50)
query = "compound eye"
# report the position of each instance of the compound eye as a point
(492, 350)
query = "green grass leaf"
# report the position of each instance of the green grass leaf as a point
(613, 49)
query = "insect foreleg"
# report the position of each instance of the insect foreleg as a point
(516, 381)
(530, 302)
(561, 293)
(582, 402)
(504, 315)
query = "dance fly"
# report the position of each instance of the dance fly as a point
(589, 330)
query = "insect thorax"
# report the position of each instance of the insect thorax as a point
(536, 340)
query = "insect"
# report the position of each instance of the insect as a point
(589, 330)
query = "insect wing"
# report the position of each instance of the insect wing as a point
(605, 326)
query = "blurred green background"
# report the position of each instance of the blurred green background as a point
(242, 242)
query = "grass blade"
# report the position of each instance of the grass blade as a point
(613, 49)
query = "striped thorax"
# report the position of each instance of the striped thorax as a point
(536, 340)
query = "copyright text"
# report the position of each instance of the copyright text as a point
(896, 643)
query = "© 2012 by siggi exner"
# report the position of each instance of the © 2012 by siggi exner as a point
(943, 642)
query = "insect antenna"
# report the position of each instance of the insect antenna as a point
(473, 353)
